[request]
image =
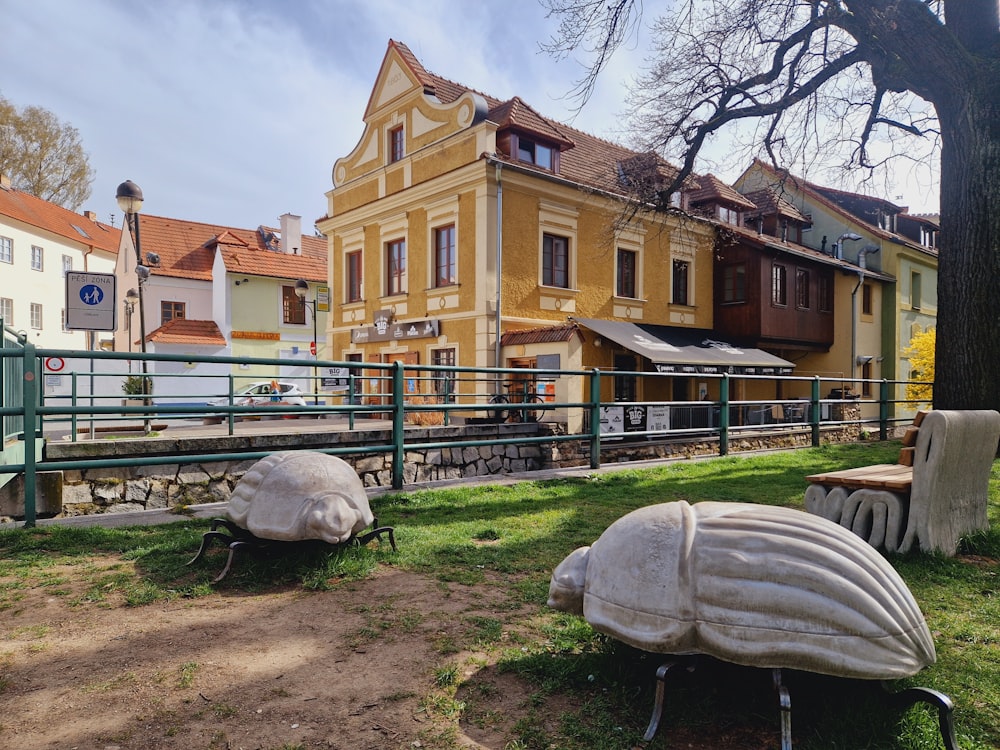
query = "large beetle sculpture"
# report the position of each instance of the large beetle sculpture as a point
(755, 585)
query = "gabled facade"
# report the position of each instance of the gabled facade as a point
(908, 303)
(223, 291)
(39, 243)
(470, 230)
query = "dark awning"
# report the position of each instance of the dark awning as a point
(692, 350)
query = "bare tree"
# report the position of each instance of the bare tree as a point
(43, 156)
(886, 78)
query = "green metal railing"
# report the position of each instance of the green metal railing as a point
(396, 392)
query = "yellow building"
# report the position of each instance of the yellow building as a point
(465, 230)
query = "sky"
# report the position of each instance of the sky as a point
(233, 112)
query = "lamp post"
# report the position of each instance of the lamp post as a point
(129, 197)
(301, 287)
(131, 298)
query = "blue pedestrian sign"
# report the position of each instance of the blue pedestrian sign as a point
(91, 294)
(90, 301)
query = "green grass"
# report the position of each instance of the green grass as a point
(503, 541)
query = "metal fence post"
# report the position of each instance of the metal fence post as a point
(595, 418)
(724, 414)
(883, 410)
(398, 415)
(814, 412)
(29, 430)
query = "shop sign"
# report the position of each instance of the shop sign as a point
(383, 330)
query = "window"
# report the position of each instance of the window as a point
(444, 256)
(6, 250)
(36, 315)
(534, 153)
(825, 294)
(866, 299)
(866, 375)
(679, 282)
(62, 315)
(37, 258)
(734, 283)
(7, 310)
(915, 290)
(555, 261)
(171, 311)
(728, 215)
(67, 264)
(626, 274)
(779, 285)
(354, 278)
(443, 384)
(396, 151)
(293, 311)
(928, 236)
(801, 289)
(395, 267)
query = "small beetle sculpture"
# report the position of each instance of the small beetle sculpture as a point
(295, 496)
(755, 585)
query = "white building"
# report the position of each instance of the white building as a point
(39, 243)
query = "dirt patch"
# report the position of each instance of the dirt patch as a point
(349, 668)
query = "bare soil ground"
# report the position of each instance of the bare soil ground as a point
(348, 668)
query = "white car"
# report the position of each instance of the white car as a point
(262, 393)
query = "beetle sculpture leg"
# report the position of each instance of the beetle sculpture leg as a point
(942, 702)
(785, 706)
(661, 676)
(376, 533)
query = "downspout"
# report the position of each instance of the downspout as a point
(862, 265)
(499, 259)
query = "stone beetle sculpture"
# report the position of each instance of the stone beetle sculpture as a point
(755, 585)
(295, 496)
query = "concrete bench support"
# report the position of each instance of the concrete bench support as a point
(934, 504)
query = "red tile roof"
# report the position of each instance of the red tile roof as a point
(716, 191)
(187, 250)
(193, 332)
(74, 227)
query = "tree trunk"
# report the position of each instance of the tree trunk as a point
(967, 360)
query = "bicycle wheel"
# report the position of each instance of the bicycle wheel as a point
(499, 415)
(532, 413)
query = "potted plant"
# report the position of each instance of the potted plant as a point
(132, 387)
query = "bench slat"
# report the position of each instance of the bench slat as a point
(880, 476)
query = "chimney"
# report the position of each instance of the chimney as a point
(92, 215)
(4, 181)
(291, 234)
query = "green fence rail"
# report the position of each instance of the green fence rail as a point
(423, 394)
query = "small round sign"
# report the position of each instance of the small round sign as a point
(54, 364)
(91, 294)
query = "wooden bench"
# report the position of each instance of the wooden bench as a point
(936, 494)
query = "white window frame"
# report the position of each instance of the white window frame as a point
(560, 221)
(67, 264)
(393, 230)
(37, 258)
(7, 310)
(37, 316)
(6, 250)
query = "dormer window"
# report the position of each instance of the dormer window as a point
(728, 215)
(887, 221)
(532, 152)
(928, 237)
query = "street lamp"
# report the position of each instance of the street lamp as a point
(129, 197)
(131, 298)
(301, 287)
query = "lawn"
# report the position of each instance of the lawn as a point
(499, 544)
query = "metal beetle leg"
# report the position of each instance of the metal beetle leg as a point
(785, 706)
(945, 707)
(661, 676)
